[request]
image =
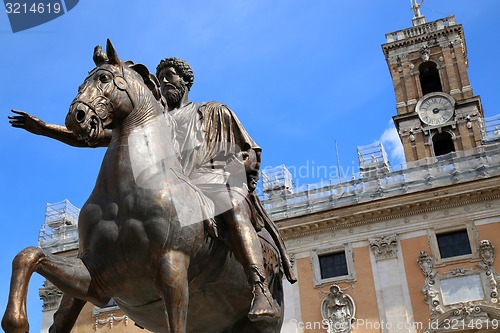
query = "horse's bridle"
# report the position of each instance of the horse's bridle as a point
(119, 82)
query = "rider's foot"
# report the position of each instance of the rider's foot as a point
(263, 307)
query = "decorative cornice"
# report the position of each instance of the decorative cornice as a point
(430, 36)
(391, 208)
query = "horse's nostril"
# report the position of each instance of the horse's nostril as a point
(80, 115)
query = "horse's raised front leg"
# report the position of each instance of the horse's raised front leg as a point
(66, 315)
(67, 274)
(172, 283)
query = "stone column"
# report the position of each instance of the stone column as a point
(393, 300)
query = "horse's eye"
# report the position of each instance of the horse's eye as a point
(105, 78)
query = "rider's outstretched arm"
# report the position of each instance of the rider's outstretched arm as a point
(37, 126)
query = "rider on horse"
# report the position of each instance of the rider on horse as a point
(218, 156)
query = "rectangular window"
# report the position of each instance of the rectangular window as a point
(333, 265)
(453, 244)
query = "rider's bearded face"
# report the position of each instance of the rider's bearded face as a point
(173, 86)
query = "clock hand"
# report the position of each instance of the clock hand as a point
(436, 110)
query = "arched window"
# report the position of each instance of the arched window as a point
(442, 143)
(429, 78)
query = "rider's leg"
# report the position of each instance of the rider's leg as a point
(246, 246)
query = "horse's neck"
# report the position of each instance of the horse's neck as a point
(142, 148)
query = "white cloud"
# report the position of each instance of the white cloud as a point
(392, 144)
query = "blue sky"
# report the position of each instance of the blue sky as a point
(300, 75)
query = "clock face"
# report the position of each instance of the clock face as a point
(435, 109)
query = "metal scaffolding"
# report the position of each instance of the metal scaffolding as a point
(422, 175)
(490, 129)
(277, 181)
(372, 159)
(60, 228)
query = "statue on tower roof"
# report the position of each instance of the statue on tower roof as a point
(416, 8)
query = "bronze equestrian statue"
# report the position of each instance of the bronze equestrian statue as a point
(151, 238)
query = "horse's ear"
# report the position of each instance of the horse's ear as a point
(99, 56)
(111, 53)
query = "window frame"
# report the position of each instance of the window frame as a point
(473, 242)
(333, 266)
(316, 253)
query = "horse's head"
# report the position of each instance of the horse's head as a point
(109, 94)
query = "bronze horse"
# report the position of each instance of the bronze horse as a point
(141, 231)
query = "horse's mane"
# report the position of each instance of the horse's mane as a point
(150, 80)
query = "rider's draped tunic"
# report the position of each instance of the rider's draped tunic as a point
(209, 135)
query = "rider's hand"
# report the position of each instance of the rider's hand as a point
(26, 121)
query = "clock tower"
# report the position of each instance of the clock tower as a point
(437, 111)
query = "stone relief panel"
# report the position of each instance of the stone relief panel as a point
(338, 311)
(462, 297)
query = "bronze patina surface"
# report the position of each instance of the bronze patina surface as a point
(174, 199)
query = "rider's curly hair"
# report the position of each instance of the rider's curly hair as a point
(181, 66)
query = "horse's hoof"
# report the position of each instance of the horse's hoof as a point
(15, 324)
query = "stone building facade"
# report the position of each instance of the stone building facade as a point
(406, 249)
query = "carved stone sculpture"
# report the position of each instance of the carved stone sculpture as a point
(384, 247)
(429, 289)
(487, 252)
(51, 296)
(426, 263)
(487, 255)
(425, 53)
(338, 311)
